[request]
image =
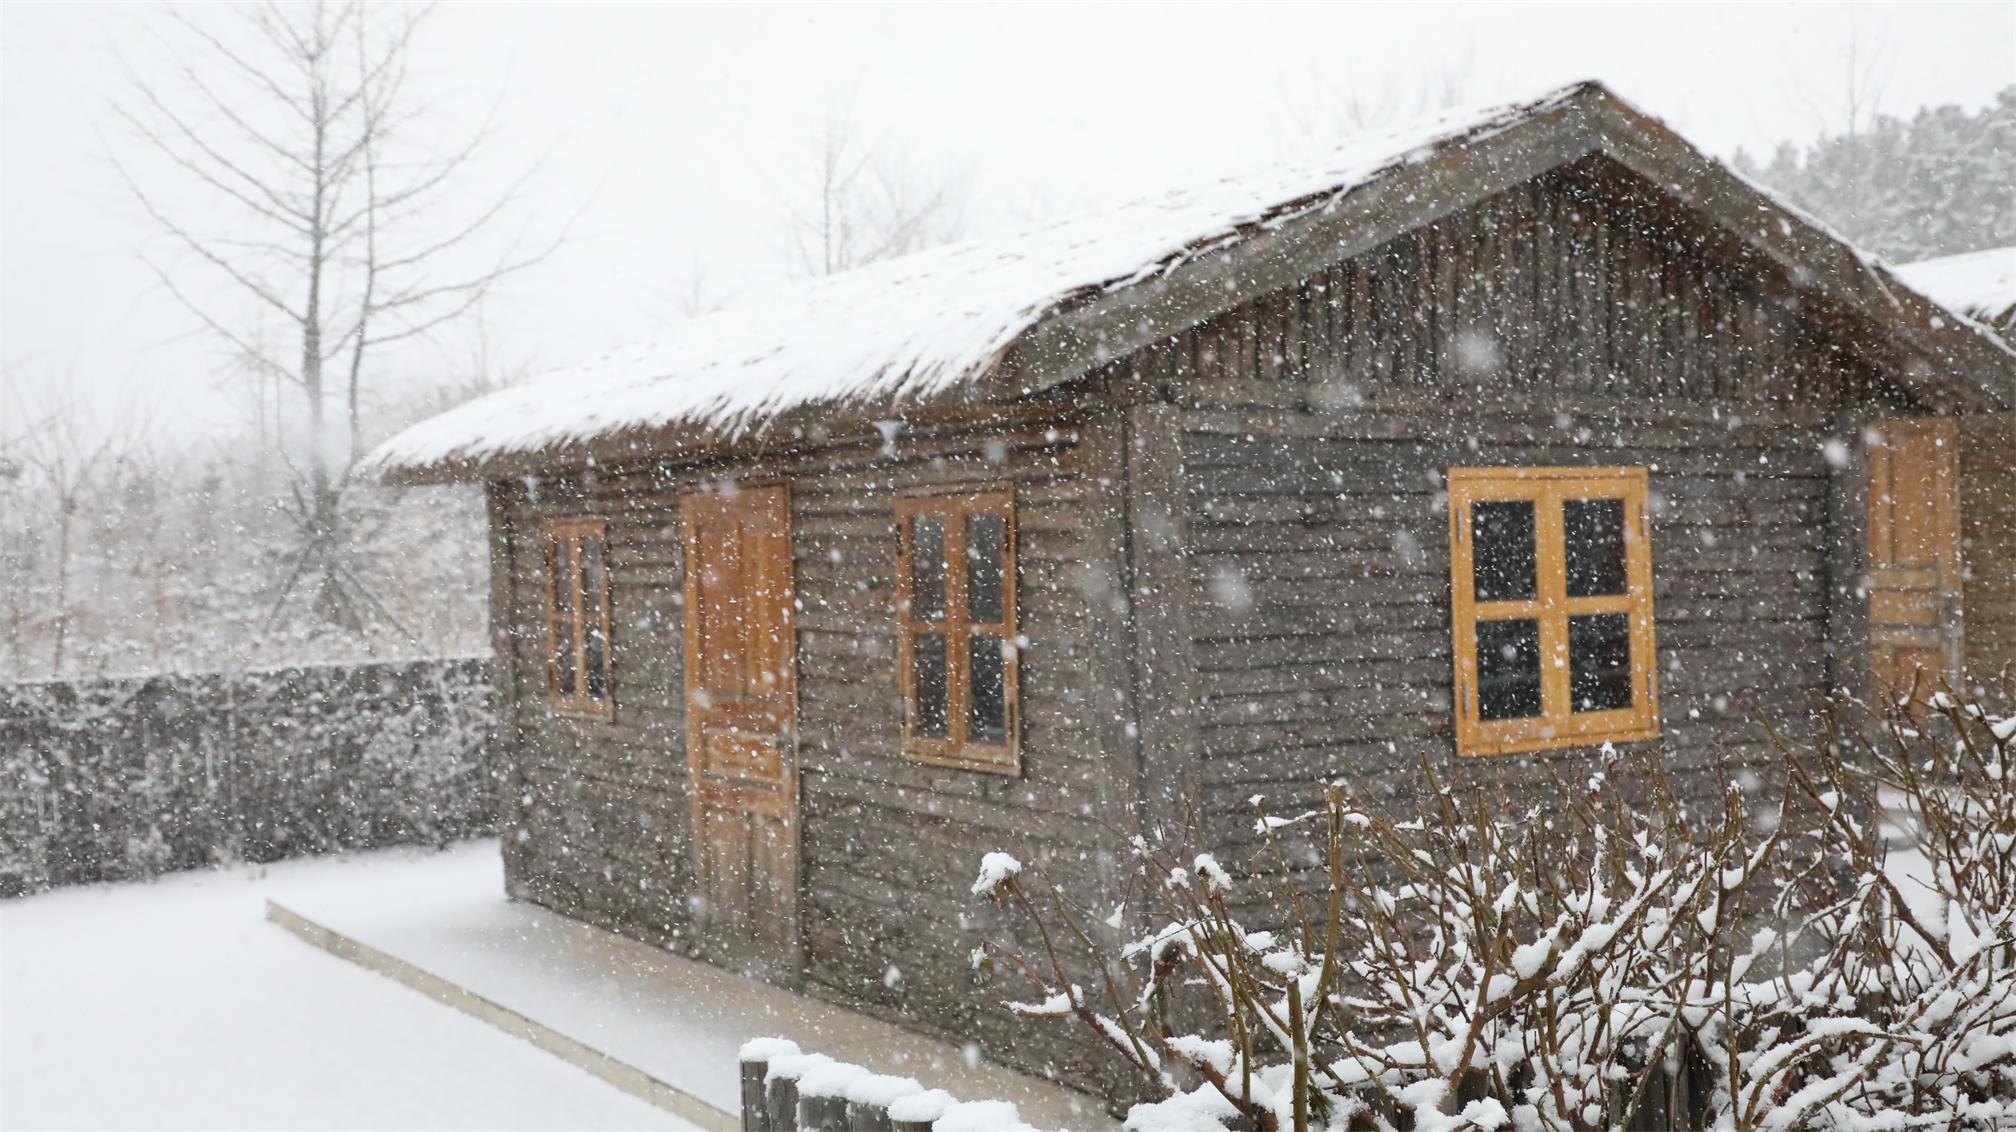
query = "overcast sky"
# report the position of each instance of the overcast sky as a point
(679, 134)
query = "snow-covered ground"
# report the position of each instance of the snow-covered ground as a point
(176, 1005)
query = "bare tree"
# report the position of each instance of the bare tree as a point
(67, 464)
(697, 295)
(14, 532)
(867, 202)
(1319, 113)
(299, 181)
(1847, 103)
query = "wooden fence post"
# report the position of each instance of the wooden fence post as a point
(781, 1101)
(755, 1114)
(763, 1109)
(867, 1118)
(822, 1114)
(917, 1112)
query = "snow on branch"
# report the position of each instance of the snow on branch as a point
(1842, 958)
(995, 868)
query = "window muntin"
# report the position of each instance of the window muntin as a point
(956, 615)
(1551, 608)
(577, 617)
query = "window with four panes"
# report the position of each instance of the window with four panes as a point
(958, 627)
(1551, 607)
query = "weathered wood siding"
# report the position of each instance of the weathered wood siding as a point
(1988, 540)
(1572, 321)
(889, 846)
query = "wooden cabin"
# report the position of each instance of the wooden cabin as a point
(1982, 286)
(1491, 441)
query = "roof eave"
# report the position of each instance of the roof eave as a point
(819, 425)
(1962, 366)
(1073, 341)
(1967, 367)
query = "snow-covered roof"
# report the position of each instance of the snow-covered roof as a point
(910, 329)
(1980, 285)
(905, 328)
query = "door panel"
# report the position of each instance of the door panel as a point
(741, 717)
(744, 757)
(1914, 554)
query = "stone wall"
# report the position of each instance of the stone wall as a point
(121, 778)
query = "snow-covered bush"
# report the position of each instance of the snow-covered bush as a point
(1918, 812)
(1609, 958)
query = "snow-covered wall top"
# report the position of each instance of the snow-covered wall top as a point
(908, 327)
(1980, 284)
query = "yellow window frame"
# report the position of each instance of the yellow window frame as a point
(952, 506)
(1557, 725)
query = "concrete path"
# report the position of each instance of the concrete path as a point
(657, 1025)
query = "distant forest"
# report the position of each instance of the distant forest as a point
(1940, 182)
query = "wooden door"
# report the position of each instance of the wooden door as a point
(741, 715)
(1914, 554)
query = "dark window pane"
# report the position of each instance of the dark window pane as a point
(1501, 549)
(1593, 530)
(595, 661)
(1508, 669)
(563, 660)
(591, 578)
(986, 535)
(927, 668)
(560, 567)
(1599, 661)
(927, 568)
(987, 711)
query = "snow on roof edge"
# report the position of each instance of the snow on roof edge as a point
(1980, 285)
(1886, 274)
(914, 326)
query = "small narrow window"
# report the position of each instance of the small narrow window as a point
(956, 614)
(577, 618)
(1551, 607)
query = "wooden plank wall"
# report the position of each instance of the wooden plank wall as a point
(1571, 321)
(889, 847)
(1296, 446)
(1988, 538)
